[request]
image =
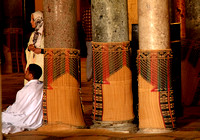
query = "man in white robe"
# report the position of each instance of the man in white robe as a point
(26, 112)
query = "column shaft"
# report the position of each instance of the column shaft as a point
(192, 19)
(190, 60)
(113, 100)
(154, 59)
(109, 21)
(153, 24)
(61, 103)
(60, 23)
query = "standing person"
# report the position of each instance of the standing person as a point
(87, 27)
(26, 112)
(35, 49)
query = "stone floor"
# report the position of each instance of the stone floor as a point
(188, 125)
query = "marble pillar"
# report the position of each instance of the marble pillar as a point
(190, 60)
(60, 23)
(192, 19)
(154, 59)
(153, 24)
(61, 104)
(109, 21)
(112, 83)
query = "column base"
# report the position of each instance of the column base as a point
(154, 130)
(119, 126)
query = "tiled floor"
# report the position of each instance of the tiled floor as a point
(188, 126)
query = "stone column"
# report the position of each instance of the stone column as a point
(154, 58)
(112, 97)
(190, 60)
(62, 105)
(192, 19)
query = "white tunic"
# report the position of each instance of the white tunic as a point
(26, 112)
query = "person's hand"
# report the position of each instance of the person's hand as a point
(37, 50)
(31, 47)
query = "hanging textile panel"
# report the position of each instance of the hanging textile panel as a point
(156, 100)
(62, 102)
(112, 82)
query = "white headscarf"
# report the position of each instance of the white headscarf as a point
(38, 19)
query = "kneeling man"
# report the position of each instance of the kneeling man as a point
(26, 112)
